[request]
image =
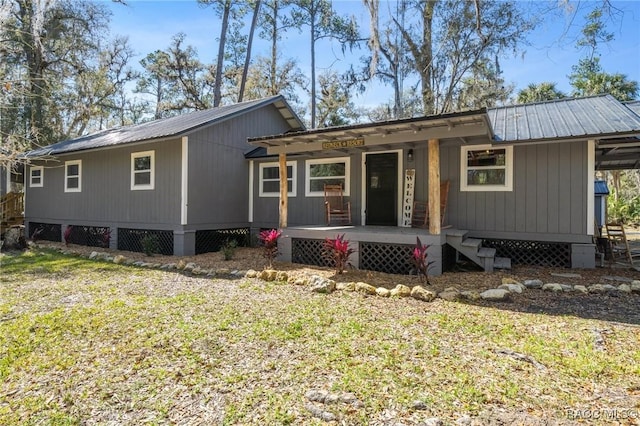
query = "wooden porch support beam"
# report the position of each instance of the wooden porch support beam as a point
(434, 187)
(284, 200)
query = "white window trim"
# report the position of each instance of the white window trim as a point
(294, 172)
(66, 175)
(347, 177)
(31, 170)
(508, 175)
(141, 154)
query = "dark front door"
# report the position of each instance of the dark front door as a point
(382, 189)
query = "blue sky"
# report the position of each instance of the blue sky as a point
(150, 25)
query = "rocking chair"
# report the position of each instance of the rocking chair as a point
(336, 208)
(420, 215)
(620, 248)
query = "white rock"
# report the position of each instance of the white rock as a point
(365, 288)
(602, 288)
(625, 288)
(401, 290)
(421, 293)
(93, 255)
(251, 273)
(533, 283)
(322, 285)
(580, 288)
(635, 286)
(119, 259)
(554, 287)
(383, 292)
(513, 288)
(495, 294)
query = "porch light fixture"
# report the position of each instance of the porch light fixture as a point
(410, 155)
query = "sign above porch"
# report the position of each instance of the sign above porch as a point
(349, 143)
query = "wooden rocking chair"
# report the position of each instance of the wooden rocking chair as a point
(420, 216)
(620, 247)
(336, 208)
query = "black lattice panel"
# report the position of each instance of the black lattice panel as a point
(45, 231)
(213, 240)
(136, 240)
(92, 236)
(389, 258)
(308, 252)
(532, 252)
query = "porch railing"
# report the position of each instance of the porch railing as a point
(11, 209)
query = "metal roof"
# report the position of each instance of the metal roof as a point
(633, 106)
(600, 188)
(590, 117)
(168, 127)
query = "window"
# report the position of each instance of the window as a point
(270, 179)
(36, 177)
(326, 171)
(73, 176)
(486, 168)
(142, 170)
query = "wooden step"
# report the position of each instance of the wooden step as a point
(472, 243)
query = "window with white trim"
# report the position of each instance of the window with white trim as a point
(331, 171)
(270, 179)
(73, 176)
(36, 177)
(142, 170)
(486, 168)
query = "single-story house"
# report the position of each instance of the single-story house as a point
(521, 183)
(179, 184)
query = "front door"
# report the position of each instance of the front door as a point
(382, 189)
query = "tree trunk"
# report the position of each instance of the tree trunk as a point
(313, 69)
(426, 62)
(217, 88)
(254, 22)
(274, 51)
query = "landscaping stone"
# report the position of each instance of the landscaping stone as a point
(190, 267)
(495, 294)
(565, 275)
(433, 421)
(321, 285)
(419, 405)
(365, 288)
(93, 255)
(533, 283)
(509, 280)
(351, 286)
(383, 292)
(635, 286)
(602, 288)
(554, 287)
(181, 264)
(401, 290)
(119, 259)
(470, 295)
(625, 288)
(138, 263)
(267, 275)
(617, 278)
(580, 288)
(226, 271)
(451, 294)
(282, 276)
(421, 293)
(566, 287)
(301, 281)
(251, 273)
(513, 287)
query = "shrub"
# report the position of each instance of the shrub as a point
(150, 244)
(229, 249)
(269, 240)
(419, 260)
(338, 252)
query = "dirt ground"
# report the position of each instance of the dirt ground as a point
(614, 306)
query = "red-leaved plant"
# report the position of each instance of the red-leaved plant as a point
(338, 252)
(269, 240)
(67, 235)
(419, 259)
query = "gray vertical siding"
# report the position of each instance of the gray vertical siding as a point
(218, 171)
(106, 195)
(548, 198)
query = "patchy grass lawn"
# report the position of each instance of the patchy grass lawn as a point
(84, 342)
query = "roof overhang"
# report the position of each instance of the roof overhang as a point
(380, 135)
(618, 154)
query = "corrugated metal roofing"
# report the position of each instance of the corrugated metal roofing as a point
(633, 106)
(594, 116)
(167, 127)
(601, 188)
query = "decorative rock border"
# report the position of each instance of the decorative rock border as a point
(318, 284)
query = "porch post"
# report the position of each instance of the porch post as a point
(434, 187)
(284, 201)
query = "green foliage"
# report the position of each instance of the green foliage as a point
(150, 244)
(545, 91)
(229, 249)
(623, 209)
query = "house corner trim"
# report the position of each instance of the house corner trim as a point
(184, 198)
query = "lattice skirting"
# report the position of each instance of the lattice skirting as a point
(46, 231)
(532, 252)
(92, 236)
(389, 258)
(136, 239)
(308, 252)
(213, 240)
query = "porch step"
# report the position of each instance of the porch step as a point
(502, 263)
(473, 243)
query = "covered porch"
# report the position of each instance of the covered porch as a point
(389, 161)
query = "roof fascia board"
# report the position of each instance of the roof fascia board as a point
(441, 132)
(598, 138)
(103, 148)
